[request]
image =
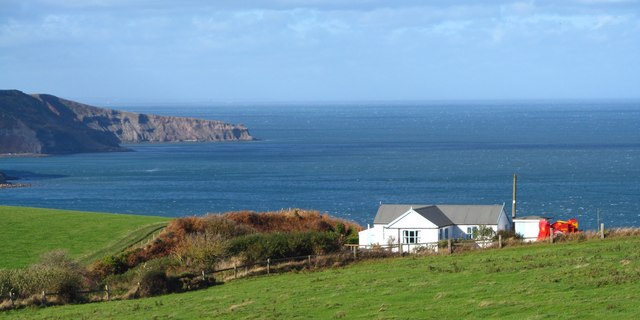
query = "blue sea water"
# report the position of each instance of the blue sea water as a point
(573, 159)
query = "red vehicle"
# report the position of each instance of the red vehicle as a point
(560, 226)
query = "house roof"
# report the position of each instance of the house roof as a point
(442, 215)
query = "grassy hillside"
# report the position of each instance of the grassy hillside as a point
(25, 233)
(591, 279)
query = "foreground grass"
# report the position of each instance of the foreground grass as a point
(594, 279)
(26, 233)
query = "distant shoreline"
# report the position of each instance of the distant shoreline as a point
(22, 155)
(14, 185)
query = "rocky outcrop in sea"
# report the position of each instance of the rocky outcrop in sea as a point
(5, 184)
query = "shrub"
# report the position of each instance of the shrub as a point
(55, 272)
(154, 282)
(153, 278)
(290, 220)
(203, 250)
(578, 236)
(261, 246)
(225, 228)
(483, 232)
(63, 275)
(352, 239)
(58, 259)
(67, 285)
(115, 264)
(508, 234)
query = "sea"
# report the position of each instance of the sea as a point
(572, 159)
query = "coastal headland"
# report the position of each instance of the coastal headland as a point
(46, 124)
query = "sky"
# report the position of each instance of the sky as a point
(124, 51)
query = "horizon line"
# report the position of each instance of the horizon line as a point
(142, 103)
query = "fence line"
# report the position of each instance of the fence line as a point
(448, 244)
(355, 252)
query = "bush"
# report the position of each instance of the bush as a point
(483, 232)
(225, 228)
(55, 272)
(110, 265)
(63, 275)
(262, 246)
(67, 285)
(153, 283)
(508, 234)
(202, 250)
(352, 239)
(290, 220)
(443, 244)
(154, 280)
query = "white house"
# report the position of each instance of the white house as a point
(420, 224)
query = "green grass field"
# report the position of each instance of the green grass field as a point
(583, 280)
(26, 233)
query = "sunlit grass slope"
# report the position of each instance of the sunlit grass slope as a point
(26, 233)
(596, 279)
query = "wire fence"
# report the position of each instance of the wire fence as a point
(214, 276)
(351, 252)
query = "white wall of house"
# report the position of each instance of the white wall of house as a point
(412, 238)
(379, 235)
(372, 236)
(405, 228)
(528, 228)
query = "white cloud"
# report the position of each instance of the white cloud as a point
(291, 38)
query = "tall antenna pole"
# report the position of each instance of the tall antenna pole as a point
(513, 204)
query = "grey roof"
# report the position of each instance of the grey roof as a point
(442, 215)
(531, 218)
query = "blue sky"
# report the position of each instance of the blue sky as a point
(119, 51)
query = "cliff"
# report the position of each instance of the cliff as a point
(43, 123)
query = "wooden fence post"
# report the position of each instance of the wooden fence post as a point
(44, 298)
(309, 257)
(235, 271)
(12, 296)
(203, 278)
(602, 231)
(106, 290)
(268, 265)
(550, 235)
(450, 246)
(500, 241)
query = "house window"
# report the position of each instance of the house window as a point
(440, 234)
(469, 233)
(446, 233)
(410, 236)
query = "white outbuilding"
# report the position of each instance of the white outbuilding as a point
(528, 227)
